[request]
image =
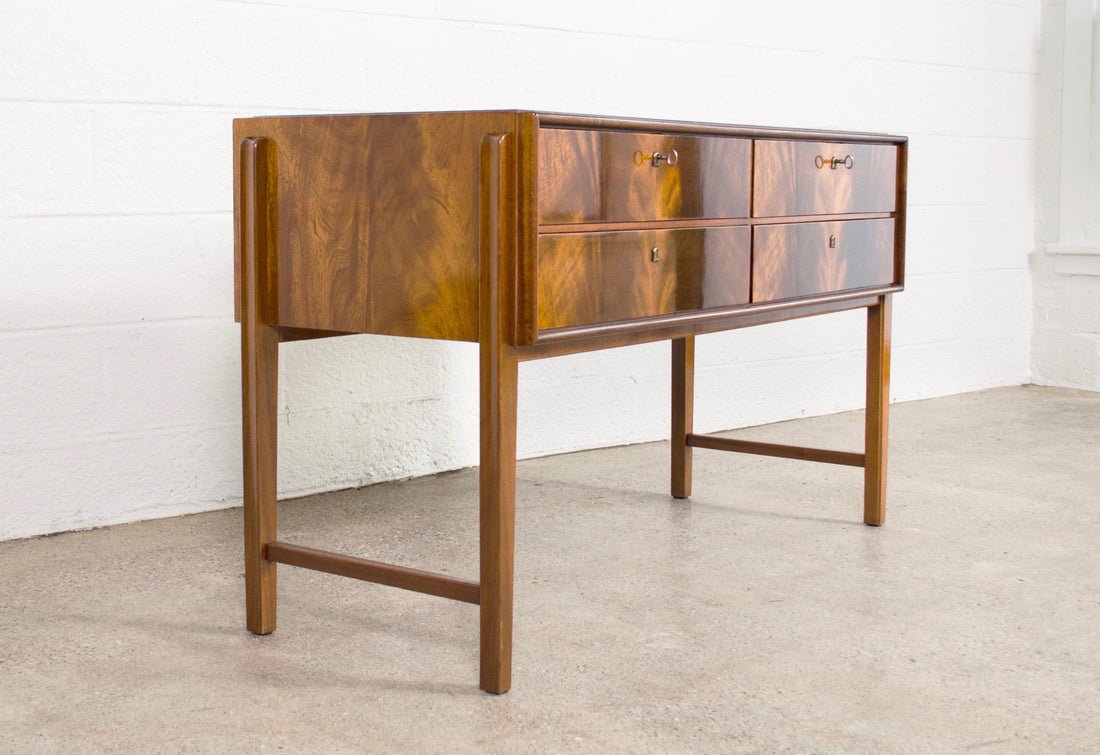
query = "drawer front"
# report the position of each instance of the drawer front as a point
(801, 259)
(822, 178)
(611, 176)
(588, 278)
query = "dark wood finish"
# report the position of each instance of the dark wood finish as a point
(683, 403)
(797, 259)
(527, 225)
(378, 220)
(782, 451)
(499, 378)
(562, 341)
(307, 334)
(572, 120)
(899, 215)
(531, 234)
(374, 571)
(791, 178)
(259, 379)
(641, 225)
(877, 414)
(589, 278)
(607, 176)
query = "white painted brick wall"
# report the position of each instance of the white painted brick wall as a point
(119, 364)
(1066, 337)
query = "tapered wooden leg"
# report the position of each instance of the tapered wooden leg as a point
(878, 408)
(499, 374)
(259, 384)
(683, 399)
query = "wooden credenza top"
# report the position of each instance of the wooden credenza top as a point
(613, 225)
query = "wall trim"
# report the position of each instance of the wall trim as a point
(1081, 258)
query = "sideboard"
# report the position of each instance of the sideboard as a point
(537, 235)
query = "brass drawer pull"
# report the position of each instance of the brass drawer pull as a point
(654, 159)
(820, 162)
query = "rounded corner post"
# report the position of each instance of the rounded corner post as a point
(259, 379)
(498, 390)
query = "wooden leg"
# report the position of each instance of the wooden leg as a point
(878, 408)
(260, 387)
(498, 515)
(499, 375)
(683, 398)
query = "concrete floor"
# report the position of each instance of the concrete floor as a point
(758, 616)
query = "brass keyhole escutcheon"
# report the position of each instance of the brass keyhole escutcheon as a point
(832, 242)
(833, 162)
(655, 158)
(655, 254)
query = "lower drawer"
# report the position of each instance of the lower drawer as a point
(588, 278)
(801, 259)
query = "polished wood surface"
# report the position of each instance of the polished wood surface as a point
(538, 235)
(589, 278)
(802, 453)
(802, 259)
(607, 176)
(416, 580)
(259, 378)
(498, 397)
(562, 341)
(656, 125)
(876, 418)
(378, 220)
(683, 411)
(900, 210)
(796, 178)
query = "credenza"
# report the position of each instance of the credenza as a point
(537, 235)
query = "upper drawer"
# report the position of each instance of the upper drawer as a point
(823, 178)
(612, 176)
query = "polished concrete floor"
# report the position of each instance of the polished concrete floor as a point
(759, 616)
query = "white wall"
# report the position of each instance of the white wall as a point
(119, 365)
(1066, 265)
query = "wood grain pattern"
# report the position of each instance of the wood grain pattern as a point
(797, 259)
(378, 220)
(562, 341)
(527, 229)
(779, 450)
(259, 379)
(683, 413)
(532, 234)
(593, 176)
(655, 125)
(430, 583)
(899, 217)
(788, 181)
(876, 418)
(604, 277)
(499, 375)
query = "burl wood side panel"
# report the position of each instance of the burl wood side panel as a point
(787, 179)
(796, 259)
(607, 176)
(378, 220)
(589, 278)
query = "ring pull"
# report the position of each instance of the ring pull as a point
(820, 162)
(655, 158)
